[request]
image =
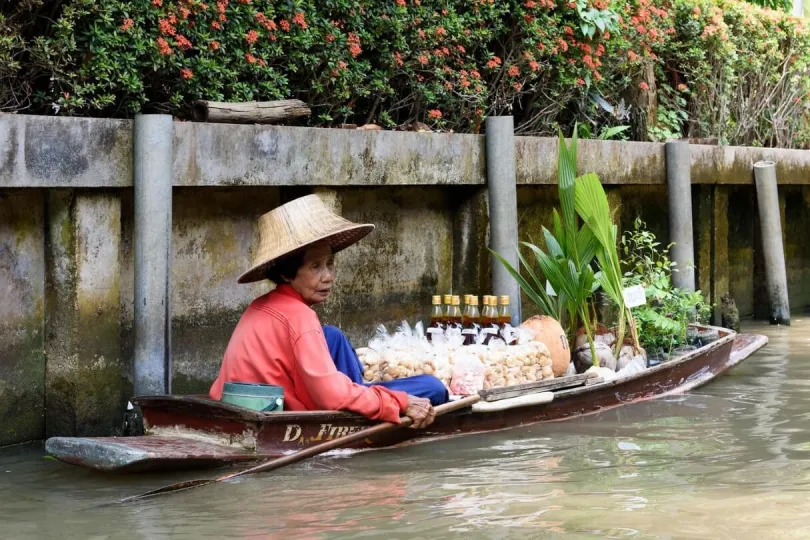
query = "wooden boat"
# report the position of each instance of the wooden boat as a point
(196, 432)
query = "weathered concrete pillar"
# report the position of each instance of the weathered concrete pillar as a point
(772, 245)
(471, 269)
(84, 381)
(501, 181)
(152, 164)
(679, 191)
(22, 306)
(720, 264)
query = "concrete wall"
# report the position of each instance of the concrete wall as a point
(66, 246)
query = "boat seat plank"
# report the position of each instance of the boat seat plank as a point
(537, 398)
(557, 383)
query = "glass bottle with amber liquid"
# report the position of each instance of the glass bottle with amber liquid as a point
(489, 318)
(472, 321)
(448, 306)
(453, 317)
(436, 318)
(505, 315)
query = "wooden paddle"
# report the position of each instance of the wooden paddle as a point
(301, 455)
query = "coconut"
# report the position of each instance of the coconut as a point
(549, 332)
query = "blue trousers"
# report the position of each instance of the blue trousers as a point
(346, 361)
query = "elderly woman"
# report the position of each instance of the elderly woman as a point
(279, 339)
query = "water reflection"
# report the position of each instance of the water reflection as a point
(729, 460)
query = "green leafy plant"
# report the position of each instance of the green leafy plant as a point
(592, 206)
(663, 321)
(566, 261)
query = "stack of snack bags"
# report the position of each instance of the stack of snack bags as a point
(463, 369)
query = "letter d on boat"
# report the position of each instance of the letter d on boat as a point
(293, 433)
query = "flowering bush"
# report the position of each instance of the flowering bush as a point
(669, 67)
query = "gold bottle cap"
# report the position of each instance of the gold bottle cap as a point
(456, 300)
(505, 300)
(467, 298)
(488, 300)
(448, 298)
(474, 300)
(437, 300)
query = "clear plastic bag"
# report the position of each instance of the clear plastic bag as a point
(468, 374)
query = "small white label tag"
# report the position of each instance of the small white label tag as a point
(549, 289)
(634, 296)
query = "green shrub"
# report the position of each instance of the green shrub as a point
(669, 68)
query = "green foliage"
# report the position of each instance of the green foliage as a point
(566, 261)
(592, 206)
(698, 68)
(664, 319)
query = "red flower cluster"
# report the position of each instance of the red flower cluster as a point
(252, 36)
(166, 27)
(434, 114)
(186, 73)
(299, 20)
(127, 24)
(353, 42)
(163, 47)
(182, 42)
(263, 20)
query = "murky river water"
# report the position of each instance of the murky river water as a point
(730, 460)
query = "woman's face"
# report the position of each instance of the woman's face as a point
(316, 274)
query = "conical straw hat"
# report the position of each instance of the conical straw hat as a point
(296, 225)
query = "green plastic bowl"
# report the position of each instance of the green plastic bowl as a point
(254, 396)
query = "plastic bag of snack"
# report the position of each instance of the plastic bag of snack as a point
(468, 374)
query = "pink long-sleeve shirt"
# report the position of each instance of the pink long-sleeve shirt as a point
(279, 340)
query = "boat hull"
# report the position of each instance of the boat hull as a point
(186, 431)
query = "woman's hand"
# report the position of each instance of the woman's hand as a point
(421, 411)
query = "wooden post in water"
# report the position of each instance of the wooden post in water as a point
(503, 222)
(152, 164)
(770, 222)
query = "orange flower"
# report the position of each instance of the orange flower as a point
(441, 32)
(568, 30)
(682, 87)
(514, 71)
(423, 59)
(448, 86)
(353, 42)
(185, 12)
(643, 85)
(401, 3)
(299, 20)
(157, 3)
(474, 74)
(517, 86)
(163, 47)
(329, 38)
(285, 25)
(216, 26)
(252, 36)
(214, 45)
(534, 66)
(166, 27)
(632, 56)
(186, 73)
(434, 114)
(530, 4)
(182, 42)
(250, 58)
(127, 24)
(581, 82)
